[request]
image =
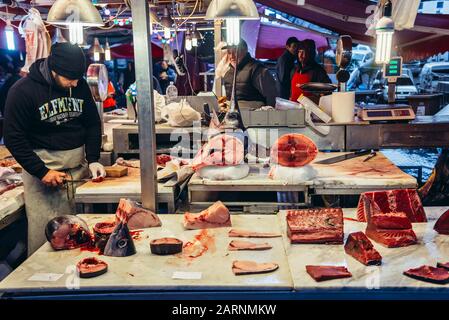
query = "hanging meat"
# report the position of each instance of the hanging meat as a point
(324, 273)
(293, 150)
(67, 232)
(387, 201)
(429, 274)
(360, 248)
(442, 225)
(91, 267)
(137, 217)
(120, 243)
(239, 233)
(221, 150)
(251, 267)
(238, 245)
(315, 226)
(216, 216)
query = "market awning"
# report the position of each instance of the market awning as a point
(429, 36)
(267, 41)
(126, 51)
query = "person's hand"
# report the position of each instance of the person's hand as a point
(164, 75)
(53, 178)
(97, 170)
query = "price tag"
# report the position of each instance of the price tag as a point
(180, 275)
(45, 277)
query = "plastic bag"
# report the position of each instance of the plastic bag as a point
(180, 114)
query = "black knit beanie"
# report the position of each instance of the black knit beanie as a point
(67, 60)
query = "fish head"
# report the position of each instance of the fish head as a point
(67, 232)
(120, 243)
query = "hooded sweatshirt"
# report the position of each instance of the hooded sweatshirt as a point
(41, 115)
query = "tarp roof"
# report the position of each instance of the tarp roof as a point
(350, 17)
(267, 41)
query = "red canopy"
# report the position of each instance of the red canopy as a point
(268, 41)
(350, 17)
(126, 51)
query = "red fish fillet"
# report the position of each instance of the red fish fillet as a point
(293, 150)
(442, 225)
(392, 238)
(238, 233)
(216, 216)
(429, 274)
(323, 273)
(387, 201)
(251, 267)
(315, 226)
(443, 265)
(392, 220)
(360, 248)
(237, 245)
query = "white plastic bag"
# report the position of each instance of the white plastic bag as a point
(222, 173)
(292, 175)
(159, 104)
(180, 114)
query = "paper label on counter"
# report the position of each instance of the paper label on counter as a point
(187, 275)
(46, 277)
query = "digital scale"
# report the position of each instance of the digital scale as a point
(386, 112)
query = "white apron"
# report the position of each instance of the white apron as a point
(44, 203)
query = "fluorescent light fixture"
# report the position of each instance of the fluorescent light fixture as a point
(196, 36)
(384, 32)
(96, 50)
(9, 33)
(76, 33)
(107, 52)
(167, 23)
(232, 31)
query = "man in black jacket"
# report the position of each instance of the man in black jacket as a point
(255, 85)
(285, 66)
(52, 127)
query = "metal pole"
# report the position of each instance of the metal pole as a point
(217, 40)
(144, 80)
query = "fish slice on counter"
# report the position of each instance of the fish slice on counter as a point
(239, 233)
(443, 265)
(91, 267)
(102, 232)
(429, 274)
(324, 273)
(166, 246)
(251, 267)
(360, 248)
(137, 217)
(442, 224)
(216, 216)
(293, 150)
(237, 245)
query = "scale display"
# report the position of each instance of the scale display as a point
(386, 113)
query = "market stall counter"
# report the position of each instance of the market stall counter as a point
(49, 273)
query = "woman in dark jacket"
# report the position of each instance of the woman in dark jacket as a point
(308, 70)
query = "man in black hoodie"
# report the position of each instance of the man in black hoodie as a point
(52, 127)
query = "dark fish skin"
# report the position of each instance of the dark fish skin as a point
(120, 243)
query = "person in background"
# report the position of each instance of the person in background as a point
(12, 75)
(256, 86)
(285, 65)
(53, 130)
(308, 70)
(110, 104)
(164, 74)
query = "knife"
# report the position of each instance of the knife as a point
(344, 157)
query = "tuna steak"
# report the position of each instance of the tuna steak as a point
(91, 267)
(166, 246)
(406, 201)
(137, 217)
(429, 274)
(360, 248)
(237, 245)
(67, 232)
(315, 226)
(120, 243)
(323, 273)
(293, 150)
(393, 238)
(443, 265)
(251, 267)
(216, 216)
(442, 225)
(221, 150)
(102, 232)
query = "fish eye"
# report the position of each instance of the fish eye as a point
(122, 243)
